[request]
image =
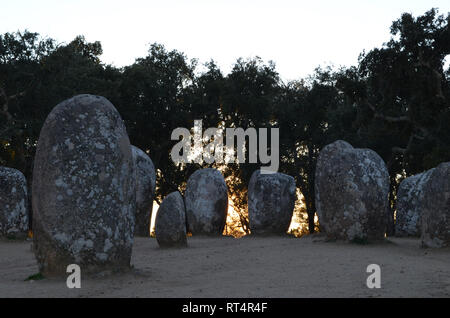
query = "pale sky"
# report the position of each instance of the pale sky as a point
(297, 35)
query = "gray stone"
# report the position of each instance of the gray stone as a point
(271, 201)
(145, 191)
(351, 193)
(84, 194)
(13, 203)
(206, 200)
(170, 222)
(409, 196)
(436, 208)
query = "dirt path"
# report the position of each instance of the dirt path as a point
(247, 267)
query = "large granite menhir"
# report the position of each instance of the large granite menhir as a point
(271, 201)
(351, 193)
(145, 191)
(206, 200)
(409, 197)
(83, 189)
(435, 208)
(13, 204)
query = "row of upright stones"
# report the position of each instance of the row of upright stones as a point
(203, 211)
(351, 193)
(93, 192)
(271, 200)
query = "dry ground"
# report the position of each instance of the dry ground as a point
(247, 267)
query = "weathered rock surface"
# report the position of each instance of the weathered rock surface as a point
(351, 192)
(206, 200)
(84, 194)
(145, 191)
(170, 222)
(13, 203)
(271, 201)
(435, 207)
(409, 196)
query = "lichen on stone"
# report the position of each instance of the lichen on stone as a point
(83, 207)
(351, 193)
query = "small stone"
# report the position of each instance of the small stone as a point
(13, 203)
(170, 222)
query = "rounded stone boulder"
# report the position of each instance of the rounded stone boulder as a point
(170, 222)
(351, 193)
(145, 191)
(84, 194)
(206, 200)
(271, 201)
(13, 204)
(409, 197)
(436, 208)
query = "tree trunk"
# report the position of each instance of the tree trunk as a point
(390, 228)
(311, 211)
(311, 225)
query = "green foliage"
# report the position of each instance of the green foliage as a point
(154, 100)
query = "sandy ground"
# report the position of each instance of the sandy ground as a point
(246, 267)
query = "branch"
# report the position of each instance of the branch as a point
(404, 151)
(398, 150)
(419, 137)
(390, 119)
(16, 95)
(437, 76)
(5, 107)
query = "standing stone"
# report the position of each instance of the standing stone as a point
(206, 201)
(170, 222)
(84, 194)
(351, 192)
(145, 191)
(409, 196)
(436, 208)
(13, 203)
(271, 201)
